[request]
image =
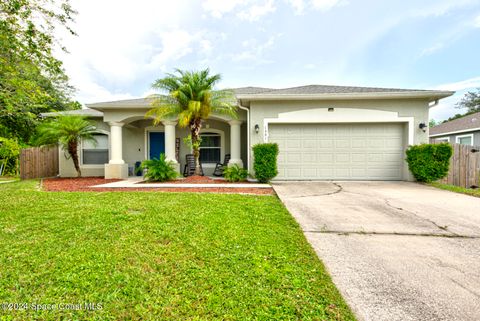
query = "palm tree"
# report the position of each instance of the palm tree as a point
(67, 131)
(191, 99)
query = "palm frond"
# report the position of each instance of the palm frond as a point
(190, 97)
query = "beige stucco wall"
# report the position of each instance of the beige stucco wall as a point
(134, 131)
(135, 141)
(418, 109)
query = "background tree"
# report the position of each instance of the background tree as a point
(191, 99)
(68, 131)
(32, 80)
(471, 101)
(432, 123)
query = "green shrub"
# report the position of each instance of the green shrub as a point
(159, 169)
(235, 173)
(265, 161)
(429, 162)
(9, 153)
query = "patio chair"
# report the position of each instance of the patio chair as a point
(189, 168)
(219, 168)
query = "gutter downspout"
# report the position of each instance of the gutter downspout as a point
(248, 132)
(435, 103)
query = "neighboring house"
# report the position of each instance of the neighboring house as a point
(465, 130)
(324, 132)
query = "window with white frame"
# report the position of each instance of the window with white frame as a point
(465, 139)
(95, 153)
(210, 148)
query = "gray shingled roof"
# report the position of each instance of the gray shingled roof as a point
(82, 112)
(325, 89)
(301, 90)
(468, 122)
(250, 90)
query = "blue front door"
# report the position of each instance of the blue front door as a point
(157, 144)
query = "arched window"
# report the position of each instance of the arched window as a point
(210, 148)
(95, 154)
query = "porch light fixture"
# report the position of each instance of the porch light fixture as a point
(257, 128)
(423, 127)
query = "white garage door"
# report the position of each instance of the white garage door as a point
(339, 151)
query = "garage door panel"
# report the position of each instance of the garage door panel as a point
(294, 158)
(342, 158)
(339, 151)
(309, 144)
(325, 143)
(325, 158)
(309, 158)
(342, 143)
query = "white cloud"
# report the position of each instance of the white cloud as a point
(174, 45)
(119, 43)
(253, 51)
(432, 49)
(447, 107)
(255, 12)
(218, 8)
(476, 21)
(461, 85)
(325, 5)
(298, 6)
(440, 8)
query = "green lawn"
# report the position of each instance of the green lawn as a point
(155, 256)
(452, 188)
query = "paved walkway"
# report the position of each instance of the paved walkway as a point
(137, 182)
(396, 250)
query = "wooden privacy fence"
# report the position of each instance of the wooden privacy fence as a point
(464, 167)
(38, 162)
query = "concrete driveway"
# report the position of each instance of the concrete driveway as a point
(396, 250)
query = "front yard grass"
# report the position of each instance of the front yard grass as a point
(156, 256)
(457, 189)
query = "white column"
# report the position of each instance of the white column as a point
(116, 143)
(170, 142)
(116, 167)
(235, 143)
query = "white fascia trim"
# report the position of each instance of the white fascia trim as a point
(409, 120)
(248, 133)
(463, 136)
(456, 132)
(431, 95)
(443, 138)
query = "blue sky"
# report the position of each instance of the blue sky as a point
(123, 46)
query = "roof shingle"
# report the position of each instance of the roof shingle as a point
(471, 121)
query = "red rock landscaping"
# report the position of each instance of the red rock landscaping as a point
(84, 184)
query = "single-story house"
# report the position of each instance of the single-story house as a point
(465, 130)
(324, 133)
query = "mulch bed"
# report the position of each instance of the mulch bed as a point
(84, 184)
(196, 180)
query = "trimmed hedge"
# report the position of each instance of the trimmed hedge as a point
(265, 161)
(429, 162)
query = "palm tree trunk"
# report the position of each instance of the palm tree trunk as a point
(195, 127)
(73, 151)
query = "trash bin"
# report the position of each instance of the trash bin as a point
(138, 171)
